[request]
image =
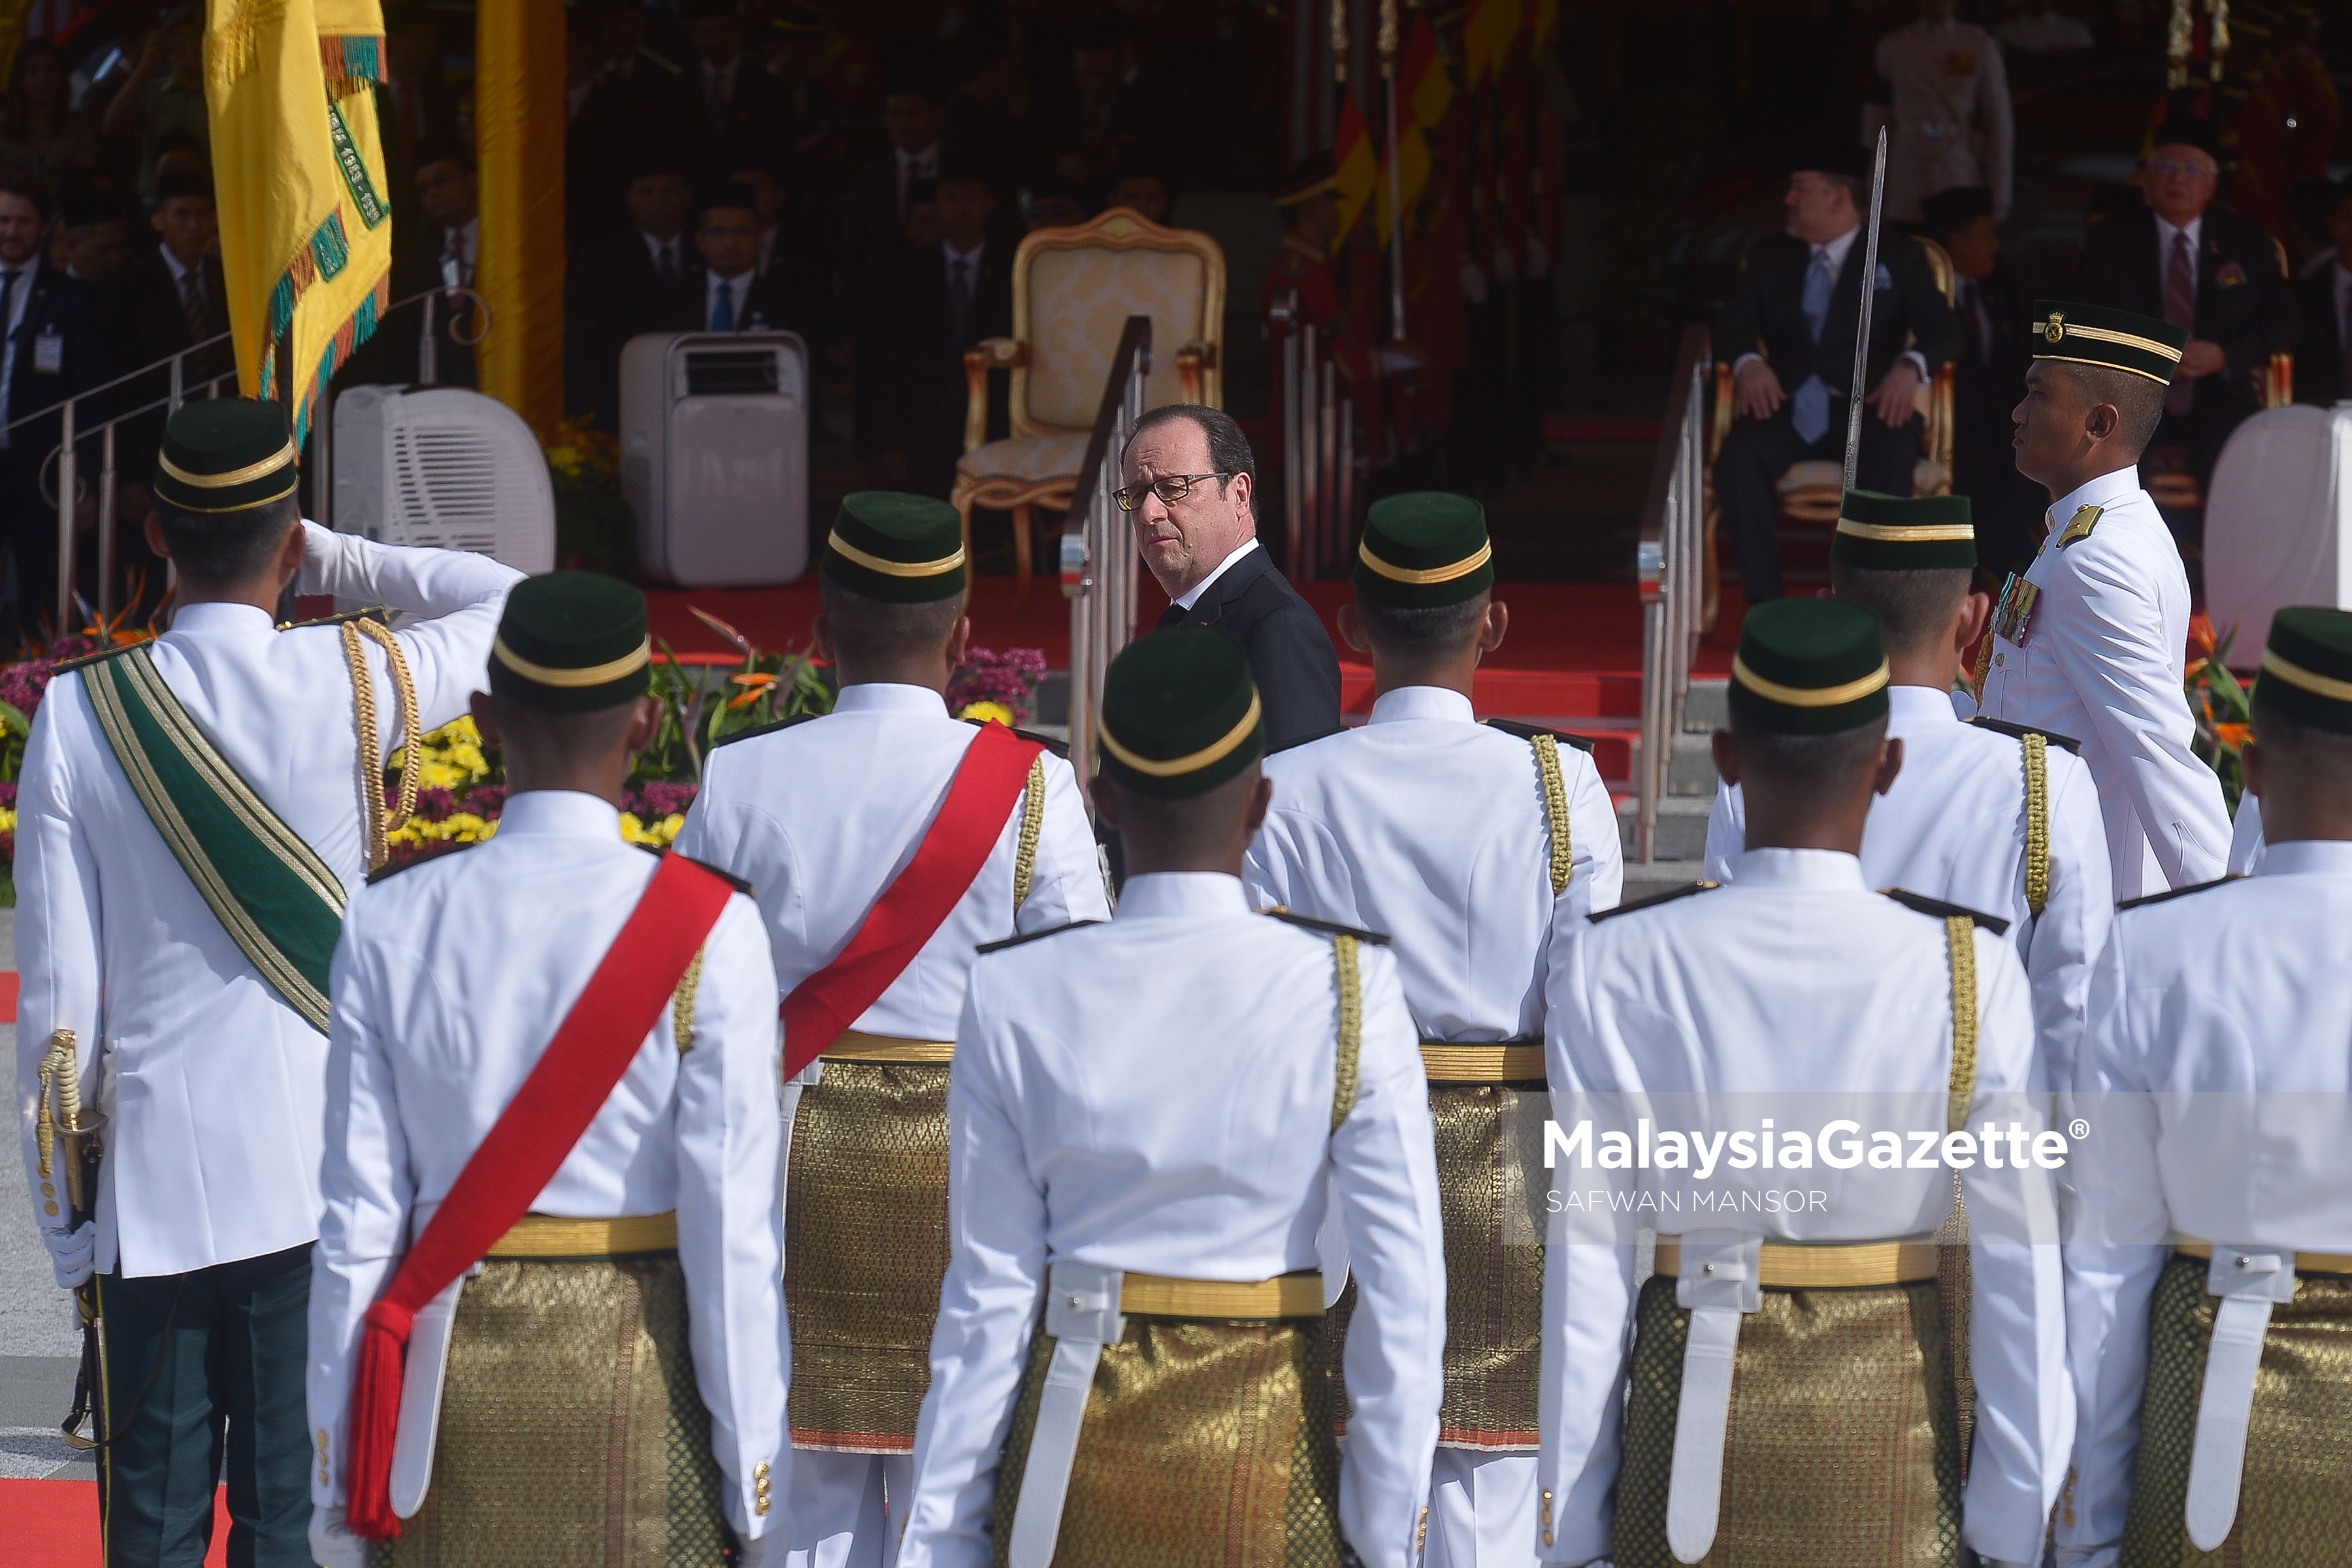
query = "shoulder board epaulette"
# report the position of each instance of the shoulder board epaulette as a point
(2147, 899)
(370, 613)
(729, 877)
(763, 730)
(1668, 897)
(2019, 733)
(392, 868)
(1328, 928)
(1031, 936)
(1529, 732)
(2085, 520)
(1292, 746)
(81, 658)
(1059, 748)
(1942, 910)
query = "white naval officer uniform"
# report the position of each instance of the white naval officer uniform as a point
(449, 983)
(1952, 122)
(1154, 1095)
(820, 817)
(1798, 978)
(215, 1088)
(2104, 660)
(2217, 1085)
(1429, 826)
(1954, 826)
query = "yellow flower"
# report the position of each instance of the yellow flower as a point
(7, 819)
(660, 835)
(450, 758)
(984, 712)
(458, 827)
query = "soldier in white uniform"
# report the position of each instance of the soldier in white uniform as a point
(1467, 843)
(1952, 124)
(2091, 639)
(193, 815)
(827, 819)
(596, 1376)
(1986, 815)
(2212, 1371)
(1151, 1119)
(1791, 1396)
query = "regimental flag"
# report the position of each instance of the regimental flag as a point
(305, 230)
(1357, 163)
(1487, 37)
(1425, 86)
(1411, 177)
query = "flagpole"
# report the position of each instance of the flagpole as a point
(1396, 176)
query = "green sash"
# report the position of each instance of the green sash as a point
(275, 899)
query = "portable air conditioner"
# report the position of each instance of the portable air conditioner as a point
(443, 466)
(714, 456)
(2278, 522)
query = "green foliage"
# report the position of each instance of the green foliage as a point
(765, 687)
(2223, 709)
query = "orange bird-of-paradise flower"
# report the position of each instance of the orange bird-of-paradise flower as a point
(2233, 736)
(757, 685)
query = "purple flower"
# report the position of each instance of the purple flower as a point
(434, 802)
(486, 800)
(663, 799)
(1009, 677)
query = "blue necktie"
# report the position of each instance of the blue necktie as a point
(1810, 411)
(722, 310)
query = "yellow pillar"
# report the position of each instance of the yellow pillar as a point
(519, 122)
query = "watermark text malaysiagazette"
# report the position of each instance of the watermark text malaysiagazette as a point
(1838, 1145)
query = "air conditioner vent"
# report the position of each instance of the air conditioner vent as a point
(730, 372)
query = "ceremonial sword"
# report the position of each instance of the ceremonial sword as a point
(70, 1151)
(1869, 295)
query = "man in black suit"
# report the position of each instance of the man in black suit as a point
(732, 294)
(1788, 330)
(866, 264)
(448, 195)
(948, 296)
(638, 96)
(742, 113)
(1985, 377)
(2217, 274)
(638, 281)
(49, 351)
(1187, 481)
(2324, 298)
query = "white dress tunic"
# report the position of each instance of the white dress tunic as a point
(1954, 827)
(1154, 1095)
(2103, 661)
(451, 979)
(1797, 980)
(214, 1087)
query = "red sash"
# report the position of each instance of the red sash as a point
(911, 910)
(600, 1037)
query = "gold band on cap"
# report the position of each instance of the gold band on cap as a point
(1207, 756)
(2310, 680)
(1804, 697)
(1461, 568)
(850, 553)
(1898, 533)
(293, 483)
(595, 675)
(2056, 329)
(244, 476)
(2109, 364)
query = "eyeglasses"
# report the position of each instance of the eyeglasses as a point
(2193, 171)
(1169, 488)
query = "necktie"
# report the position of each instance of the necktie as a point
(959, 290)
(1809, 411)
(2181, 309)
(191, 302)
(666, 266)
(456, 268)
(722, 308)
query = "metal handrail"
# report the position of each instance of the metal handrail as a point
(1667, 562)
(1099, 561)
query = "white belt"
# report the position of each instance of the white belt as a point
(1082, 1315)
(420, 1397)
(2249, 1281)
(1722, 1278)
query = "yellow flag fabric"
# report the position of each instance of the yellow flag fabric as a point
(1358, 165)
(1487, 37)
(306, 234)
(1411, 179)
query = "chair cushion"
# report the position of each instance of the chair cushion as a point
(1813, 474)
(1078, 302)
(1031, 458)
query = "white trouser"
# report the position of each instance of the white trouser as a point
(1481, 1511)
(846, 1511)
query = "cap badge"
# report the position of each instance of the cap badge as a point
(2055, 328)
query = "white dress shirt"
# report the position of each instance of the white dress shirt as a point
(2219, 1090)
(2104, 661)
(1954, 827)
(737, 290)
(1191, 596)
(672, 247)
(1154, 1095)
(213, 1086)
(458, 271)
(1429, 826)
(821, 817)
(1797, 980)
(450, 981)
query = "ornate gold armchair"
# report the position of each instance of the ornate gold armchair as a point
(1072, 290)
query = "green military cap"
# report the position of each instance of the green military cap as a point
(1903, 533)
(571, 642)
(1180, 712)
(1809, 667)
(2307, 667)
(2120, 339)
(226, 454)
(1424, 549)
(902, 549)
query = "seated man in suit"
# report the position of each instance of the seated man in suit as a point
(2324, 299)
(949, 293)
(1788, 330)
(634, 281)
(736, 297)
(2216, 274)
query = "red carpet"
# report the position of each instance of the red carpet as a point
(53, 1524)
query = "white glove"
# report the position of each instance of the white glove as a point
(332, 1542)
(767, 1551)
(71, 1252)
